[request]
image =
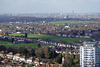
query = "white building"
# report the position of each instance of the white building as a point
(90, 55)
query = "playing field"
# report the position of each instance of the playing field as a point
(70, 22)
(53, 38)
(9, 44)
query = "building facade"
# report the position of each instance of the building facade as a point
(90, 54)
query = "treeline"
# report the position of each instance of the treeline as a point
(45, 54)
(40, 52)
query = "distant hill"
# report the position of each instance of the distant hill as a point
(11, 18)
(22, 19)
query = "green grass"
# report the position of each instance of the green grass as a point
(70, 22)
(17, 34)
(9, 44)
(4, 42)
(53, 38)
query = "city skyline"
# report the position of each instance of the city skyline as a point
(49, 6)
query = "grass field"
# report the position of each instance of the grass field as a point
(70, 22)
(9, 44)
(54, 38)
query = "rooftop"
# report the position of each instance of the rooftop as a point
(92, 42)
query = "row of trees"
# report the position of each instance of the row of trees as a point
(41, 52)
(45, 53)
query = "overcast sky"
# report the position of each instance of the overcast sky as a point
(49, 6)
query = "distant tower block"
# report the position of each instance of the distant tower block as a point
(26, 35)
(0, 30)
(73, 11)
(1, 33)
(67, 16)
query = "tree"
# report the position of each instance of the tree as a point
(12, 49)
(76, 60)
(53, 54)
(46, 52)
(23, 50)
(58, 59)
(39, 53)
(39, 45)
(67, 59)
(2, 47)
(72, 57)
(31, 52)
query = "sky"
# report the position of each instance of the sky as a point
(49, 6)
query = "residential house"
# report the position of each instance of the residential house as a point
(30, 60)
(16, 57)
(22, 58)
(2, 54)
(10, 55)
